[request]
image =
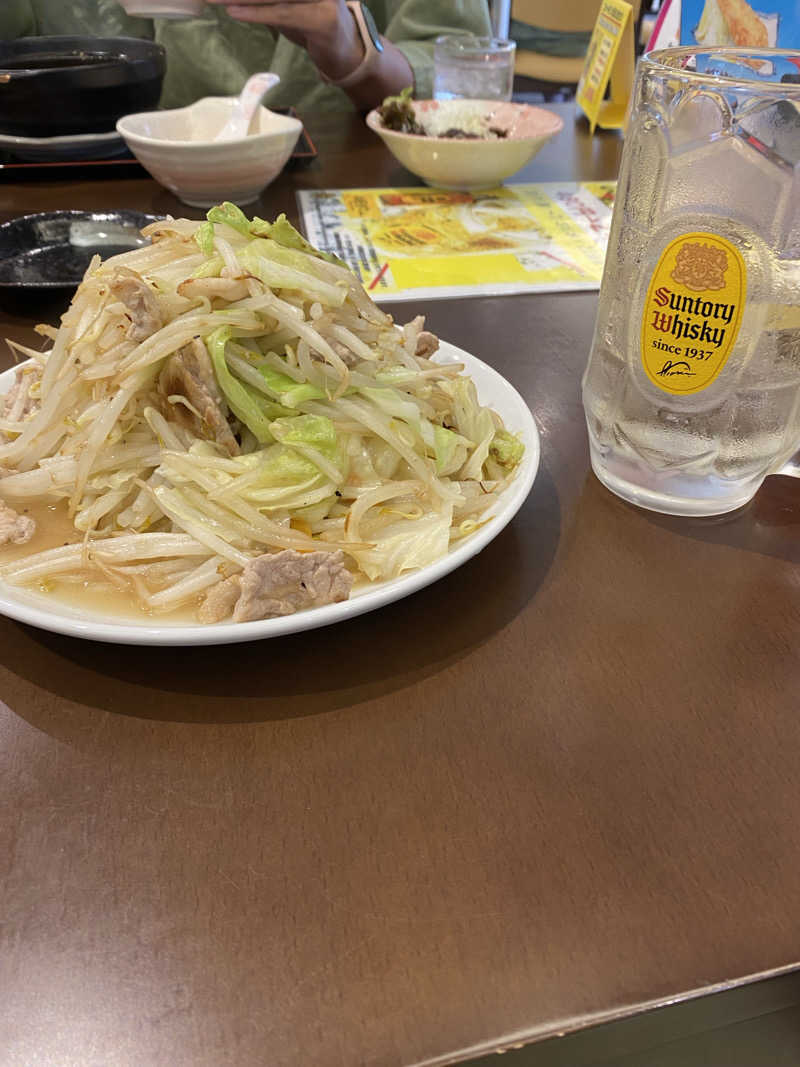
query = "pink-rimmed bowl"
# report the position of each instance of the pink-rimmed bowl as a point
(455, 163)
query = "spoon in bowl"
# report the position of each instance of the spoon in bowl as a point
(238, 125)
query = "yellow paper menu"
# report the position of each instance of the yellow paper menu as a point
(610, 62)
(417, 242)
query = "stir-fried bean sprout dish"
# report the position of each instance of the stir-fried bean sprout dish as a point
(231, 425)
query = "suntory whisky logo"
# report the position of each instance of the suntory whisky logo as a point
(700, 267)
(687, 338)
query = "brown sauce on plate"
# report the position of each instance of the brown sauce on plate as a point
(96, 595)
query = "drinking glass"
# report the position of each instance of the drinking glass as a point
(476, 68)
(692, 389)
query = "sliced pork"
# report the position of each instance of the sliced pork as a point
(279, 583)
(427, 344)
(15, 529)
(18, 403)
(189, 374)
(140, 300)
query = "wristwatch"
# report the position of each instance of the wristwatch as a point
(370, 38)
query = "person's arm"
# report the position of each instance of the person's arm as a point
(330, 34)
(414, 25)
(409, 30)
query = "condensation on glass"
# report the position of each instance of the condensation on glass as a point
(692, 390)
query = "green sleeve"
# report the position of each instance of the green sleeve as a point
(16, 19)
(99, 18)
(214, 54)
(413, 25)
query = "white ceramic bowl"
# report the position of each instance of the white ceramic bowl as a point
(177, 147)
(455, 163)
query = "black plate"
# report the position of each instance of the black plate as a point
(52, 250)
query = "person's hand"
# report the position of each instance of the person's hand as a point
(325, 28)
(328, 32)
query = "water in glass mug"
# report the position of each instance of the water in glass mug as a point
(477, 68)
(692, 390)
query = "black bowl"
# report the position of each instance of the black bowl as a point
(56, 86)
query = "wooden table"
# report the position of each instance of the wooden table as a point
(555, 788)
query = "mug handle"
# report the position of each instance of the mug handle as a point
(791, 467)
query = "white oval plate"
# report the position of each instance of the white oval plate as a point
(55, 614)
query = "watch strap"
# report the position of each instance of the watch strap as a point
(371, 53)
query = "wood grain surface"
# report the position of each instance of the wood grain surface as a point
(556, 787)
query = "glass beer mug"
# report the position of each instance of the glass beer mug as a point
(692, 390)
